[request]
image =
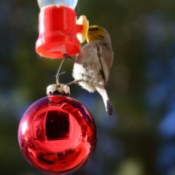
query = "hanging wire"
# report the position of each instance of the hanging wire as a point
(58, 71)
(60, 66)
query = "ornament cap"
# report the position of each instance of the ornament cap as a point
(58, 89)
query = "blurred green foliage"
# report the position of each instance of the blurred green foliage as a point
(141, 31)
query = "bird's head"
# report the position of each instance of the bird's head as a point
(96, 32)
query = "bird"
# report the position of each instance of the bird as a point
(92, 65)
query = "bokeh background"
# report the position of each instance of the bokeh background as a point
(139, 139)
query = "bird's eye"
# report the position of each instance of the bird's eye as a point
(93, 29)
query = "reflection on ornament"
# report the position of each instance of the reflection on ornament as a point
(57, 134)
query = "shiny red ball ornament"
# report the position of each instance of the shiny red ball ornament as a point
(57, 134)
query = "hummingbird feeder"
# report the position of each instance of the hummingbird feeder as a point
(60, 33)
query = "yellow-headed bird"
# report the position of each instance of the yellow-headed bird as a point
(92, 66)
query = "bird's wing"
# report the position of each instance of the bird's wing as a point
(105, 56)
(87, 54)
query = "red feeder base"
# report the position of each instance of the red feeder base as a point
(57, 32)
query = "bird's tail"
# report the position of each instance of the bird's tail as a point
(106, 100)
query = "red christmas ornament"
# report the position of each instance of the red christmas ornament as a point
(57, 134)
